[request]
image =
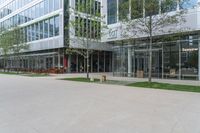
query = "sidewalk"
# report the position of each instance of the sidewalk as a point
(129, 79)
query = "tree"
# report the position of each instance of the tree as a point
(150, 18)
(19, 44)
(5, 46)
(85, 26)
(12, 42)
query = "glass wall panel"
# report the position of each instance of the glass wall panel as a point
(167, 6)
(51, 27)
(56, 26)
(51, 2)
(46, 6)
(171, 60)
(189, 57)
(136, 8)
(112, 11)
(123, 9)
(46, 28)
(33, 32)
(187, 4)
(41, 30)
(37, 31)
(56, 4)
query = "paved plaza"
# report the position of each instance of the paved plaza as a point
(47, 105)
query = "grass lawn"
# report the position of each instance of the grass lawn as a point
(166, 86)
(36, 74)
(9, 73)
(81, 79)
(26, 74)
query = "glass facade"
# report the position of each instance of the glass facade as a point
(35, 31)
(187, 4)
(88, 6)
(42, 29)
(88, 27)
(137, 8)
(50, 5)
(29, 14)
(112, 11)
(176, 59)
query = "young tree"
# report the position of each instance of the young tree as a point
(85, 26)
(5, 46)
(12, 42)
(150, 18)
(18, 43)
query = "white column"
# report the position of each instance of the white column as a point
(179, 44)
(98, 62)
(91, 63)
(129, 62)
(162, 61)
(69, 63)
(58, 60)
(53, 57)
(77, 63)
(104, 61)
(199, 61)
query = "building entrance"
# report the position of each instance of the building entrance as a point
(141, 63)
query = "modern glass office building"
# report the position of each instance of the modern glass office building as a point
(177, 59)
(44, 25)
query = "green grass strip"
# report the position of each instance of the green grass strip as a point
(165, 86)
(80, 79)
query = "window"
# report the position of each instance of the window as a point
(33, 32)
(51, 2)
(41, 8)
(56, 25)
(37, 35)
(136, 8)
(123, 9)
(56, 4)
(41, 30)
(167, 6)
(112, 11)
(151, 7)
(46, 6)
(51, 27)
(37, 10)
(187, 4)
(46, 28)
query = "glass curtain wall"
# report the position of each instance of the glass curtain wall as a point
(176, 59)
(112, 11)
(137, 8)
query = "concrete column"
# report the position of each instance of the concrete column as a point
(179, 44)
(199, 61)
(85, 65)
(91, 63)
(130, 72)
(133, 53)
(98, 63)
(69, 63)
(162, 61)
(53, 61)
(77, 63)
(44, 59)
(104, 61)
(58, 60)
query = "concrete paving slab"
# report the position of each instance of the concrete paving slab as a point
(46, 105)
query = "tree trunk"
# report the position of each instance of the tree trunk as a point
(4, 65)
(150, 60)
(87, 47)
(150, 50)
(88, 64)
